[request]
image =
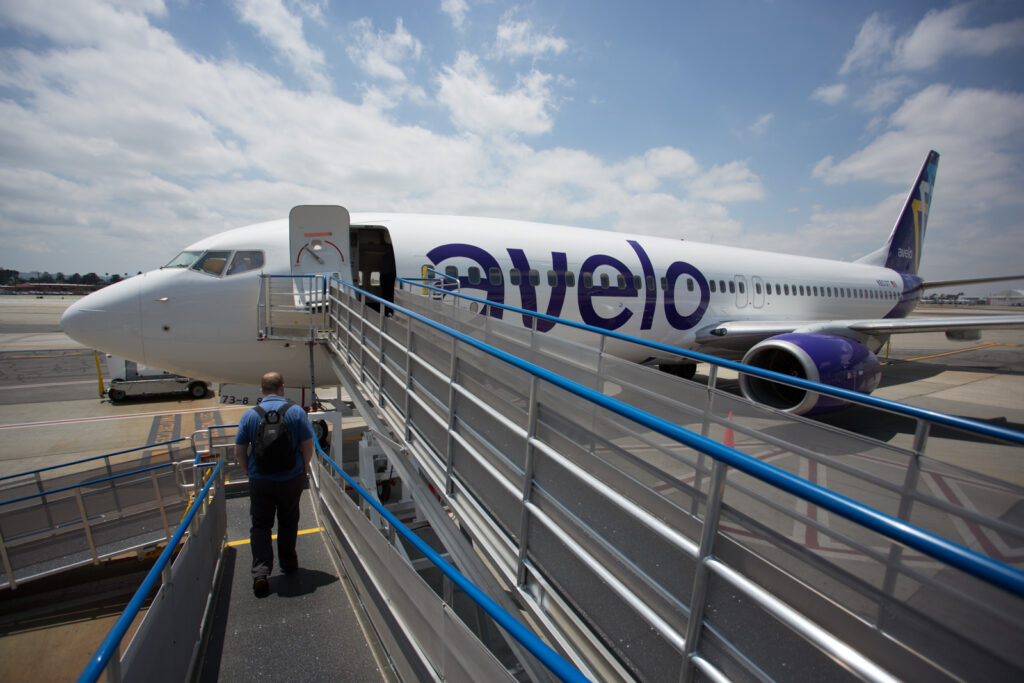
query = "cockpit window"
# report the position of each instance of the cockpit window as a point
(212, 262)
(246, 260)
(184, 259)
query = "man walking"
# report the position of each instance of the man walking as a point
(275, 486)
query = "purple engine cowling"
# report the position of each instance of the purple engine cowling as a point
(826, 358)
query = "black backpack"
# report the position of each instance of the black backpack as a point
(273, 450)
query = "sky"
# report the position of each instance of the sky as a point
(129, 129)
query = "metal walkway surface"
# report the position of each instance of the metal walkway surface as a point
(644, 527)
(306, 629)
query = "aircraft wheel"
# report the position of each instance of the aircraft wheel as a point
(322, 433)
(197, 389)
(116, 395)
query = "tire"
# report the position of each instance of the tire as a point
(322, 433)
(197, 389)
(116, 395)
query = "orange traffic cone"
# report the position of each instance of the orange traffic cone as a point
(729, 439)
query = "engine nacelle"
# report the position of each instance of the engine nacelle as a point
(826, 358)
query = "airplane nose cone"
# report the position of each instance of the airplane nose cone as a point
(108, 320)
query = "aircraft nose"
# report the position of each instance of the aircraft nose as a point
(108, 320)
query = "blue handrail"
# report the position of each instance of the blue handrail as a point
(86, 483)
(944, 550)
(966, 424)
(109, 647)
(541, 650)
(95, 457)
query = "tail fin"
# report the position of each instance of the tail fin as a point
(902, 252)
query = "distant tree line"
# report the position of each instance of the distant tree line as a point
(13, 277)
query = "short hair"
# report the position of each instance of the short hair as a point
(272, 382)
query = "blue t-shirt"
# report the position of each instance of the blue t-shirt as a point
(298, 426)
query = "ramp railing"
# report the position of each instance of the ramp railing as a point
(59, 517)
(650, 551)
(167, 643)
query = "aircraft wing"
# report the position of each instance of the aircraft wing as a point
(936, 324)
(741, 334)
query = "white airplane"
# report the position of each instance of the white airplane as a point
(814, 318)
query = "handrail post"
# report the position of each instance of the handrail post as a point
(86, 527)
(907, 499)
(7, 563)
(698, 596)
(46, 503)
(408, 377)
(705, 429)
(160, 503)
(113, 488)
(528, 460)
(453, 367)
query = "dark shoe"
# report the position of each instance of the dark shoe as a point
(261, 587)
(288, 571)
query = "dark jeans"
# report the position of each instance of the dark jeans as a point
(265, 498)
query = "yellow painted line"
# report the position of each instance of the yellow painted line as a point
(317, 530)
(986, 345)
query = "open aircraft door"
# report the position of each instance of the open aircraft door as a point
(318, 244)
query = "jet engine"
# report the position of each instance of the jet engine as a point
(826, 358)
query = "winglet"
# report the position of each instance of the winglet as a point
(902, 252)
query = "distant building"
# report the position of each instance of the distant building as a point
(1009, 297)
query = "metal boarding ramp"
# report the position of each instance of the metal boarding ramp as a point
(56, 518)
(601, 497)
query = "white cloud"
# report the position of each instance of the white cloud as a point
(283, 31)
(476, 105)
(380, 55)
(517, 39)
(830, 94)
(870, 47)
(117, 134)
(760, 127)
(980, 129)
(732, 182)
(940, 34)
(884, 92)
(456, 10)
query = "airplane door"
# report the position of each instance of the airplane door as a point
(318, 240)
(741, 291)
(758, 293)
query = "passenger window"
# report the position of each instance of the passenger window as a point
(732, 286)
(588, 280)
(650, 282)
(787, 289)
(664, 283)
(638, 282)
(474, 275)
(375, 279)
(212, 262)
(494, 274)
(801, 290)
(689, 284)
(815, 291)
(621, 281)
(245, 261)
(757, 288)
(743, 288)
(721, 286)
(514, 277)
(453, 274)
(778, 289)
(534, 277)
(605, 281)
(712, 286)
(552, 278)
(570, 279)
